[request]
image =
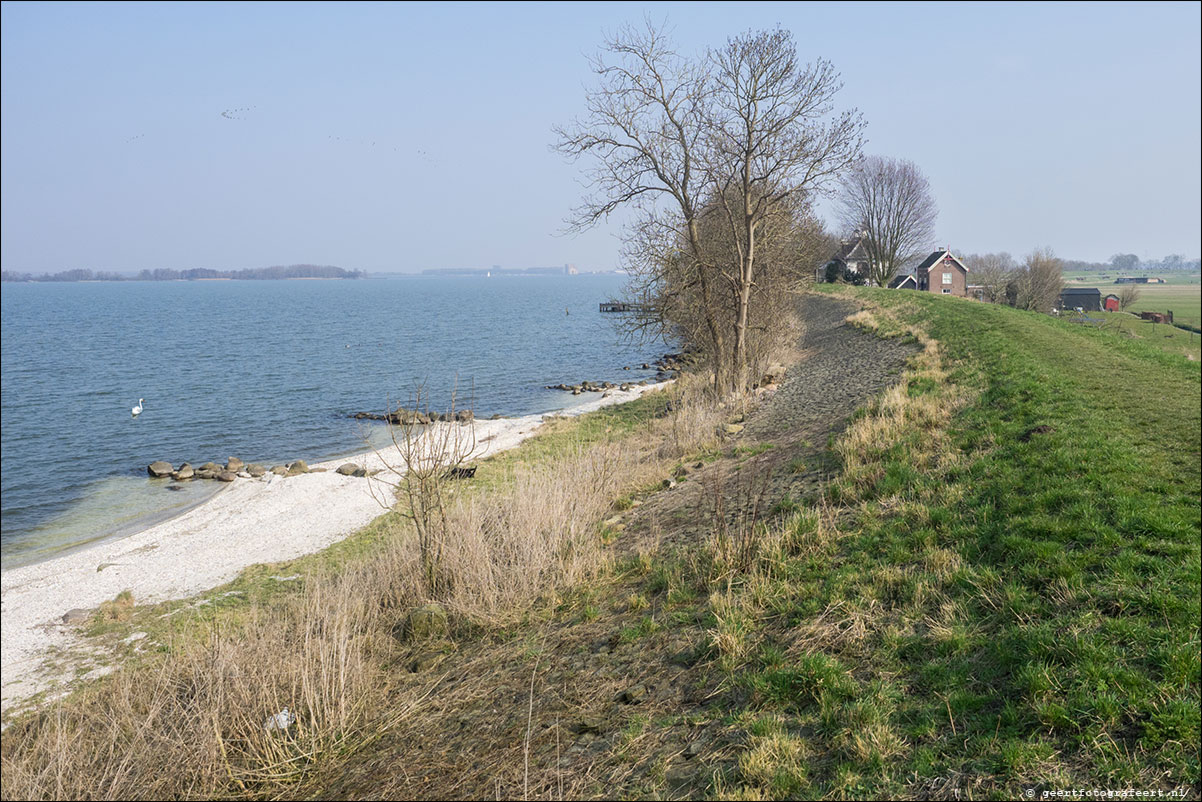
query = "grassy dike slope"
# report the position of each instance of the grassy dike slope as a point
(1035, 602)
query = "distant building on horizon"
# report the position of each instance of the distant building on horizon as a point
(567, 269)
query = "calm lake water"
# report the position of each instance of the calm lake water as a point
(265, 371)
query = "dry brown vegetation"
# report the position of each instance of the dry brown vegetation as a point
(904, 409)
(191, 720)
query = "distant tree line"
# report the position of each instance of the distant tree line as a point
(1127, 262)
(167, 274)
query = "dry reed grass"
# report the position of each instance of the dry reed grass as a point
(918, 406)
(505, 551)
(191, 721)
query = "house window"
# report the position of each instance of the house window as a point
(947, 291)
(947, 278)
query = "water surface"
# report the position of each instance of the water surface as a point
(266, 371)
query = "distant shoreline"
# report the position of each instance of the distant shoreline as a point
(359, 276)
(274, 273)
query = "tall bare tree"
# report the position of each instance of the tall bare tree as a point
(889, 201)
(992, 271)
(746, 135)
(643, 130)
(772, 139)
(1037, 284)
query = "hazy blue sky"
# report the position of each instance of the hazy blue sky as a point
(407, 136)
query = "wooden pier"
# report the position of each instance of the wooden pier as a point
(620, 306)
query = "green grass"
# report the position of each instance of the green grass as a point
(1170, 339)
(1021, 612)
(1185, 301)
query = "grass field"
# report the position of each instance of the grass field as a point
(1182, 293)
(1171, 339)
(1174, 277)
(1185, 301)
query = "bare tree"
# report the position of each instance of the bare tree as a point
(1038, 283)
(1128, 295)
(889, 201)
(772, 140)
(745, 136)
(643, 131)
(431, 449)
(992, 272)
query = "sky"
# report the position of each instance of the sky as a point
(401, 137)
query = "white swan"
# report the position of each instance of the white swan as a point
(136, 411)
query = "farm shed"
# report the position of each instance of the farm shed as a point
(1088, 299)
(1111, 303)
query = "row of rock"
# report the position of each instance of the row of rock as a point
(409, 417)
(232, 469)
(668, 363)
(594, 387)
(666, 367)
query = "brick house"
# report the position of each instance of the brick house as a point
(943, 274)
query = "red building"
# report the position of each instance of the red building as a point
(1111, 303)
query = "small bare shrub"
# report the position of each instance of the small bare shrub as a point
(740, 537)
(430, 451)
